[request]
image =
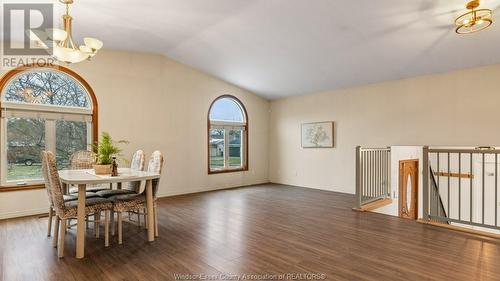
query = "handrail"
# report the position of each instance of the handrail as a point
(376, 149)
(462, 150)
(472, 200)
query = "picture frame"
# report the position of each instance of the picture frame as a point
(317, 134)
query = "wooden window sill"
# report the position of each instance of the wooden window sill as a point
(227, 171)
(21, 187)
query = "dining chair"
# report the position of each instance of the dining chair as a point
(51, 210)
(137, 202)
(137, 164)
(65, 210)
(81, 160)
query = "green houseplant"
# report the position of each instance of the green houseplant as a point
(105, 150)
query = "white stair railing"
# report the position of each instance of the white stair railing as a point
(373, 175)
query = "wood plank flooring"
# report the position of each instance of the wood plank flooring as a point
(266, 229)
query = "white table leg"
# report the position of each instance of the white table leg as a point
(149, 205)
(80, 227)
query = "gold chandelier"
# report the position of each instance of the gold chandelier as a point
(64, 47)
(474, 20)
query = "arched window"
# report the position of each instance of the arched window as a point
(43, 108)
(227, 135)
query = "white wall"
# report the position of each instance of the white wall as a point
(458, 108)
(157, 103)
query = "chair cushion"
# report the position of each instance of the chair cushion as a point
(74, 196)
(128, 197)
(88, 202)
(113, 192)
(69, 197)
(97, 188)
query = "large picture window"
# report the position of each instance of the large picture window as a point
(42, 108)
(227, 136)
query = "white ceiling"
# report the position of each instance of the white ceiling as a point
(279, 48)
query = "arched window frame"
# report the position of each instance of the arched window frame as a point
(228, 125)
(4, 81)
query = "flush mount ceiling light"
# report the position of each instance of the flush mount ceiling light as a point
(474, 20)
(64, 47)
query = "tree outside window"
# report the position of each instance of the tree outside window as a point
(44, 108)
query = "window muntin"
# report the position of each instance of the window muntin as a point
(235, 148)
(227, 135)
(71, 136)
(217, 149)
(64, 122)
(46, 87)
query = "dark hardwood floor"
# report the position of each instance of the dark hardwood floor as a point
(271, 229)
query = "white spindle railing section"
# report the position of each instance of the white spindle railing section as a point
(373, 174)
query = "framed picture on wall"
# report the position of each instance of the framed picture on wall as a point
(317, 135)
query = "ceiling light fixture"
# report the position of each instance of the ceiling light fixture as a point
(474, 20)
(64, 47)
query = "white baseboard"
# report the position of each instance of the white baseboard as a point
(23, 213)
(313, 187)
(197, 190)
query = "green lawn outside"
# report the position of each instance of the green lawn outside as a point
(23, 172)
(218, 162)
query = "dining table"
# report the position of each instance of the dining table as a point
(84, 178)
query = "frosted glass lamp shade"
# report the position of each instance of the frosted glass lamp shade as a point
(78, 56)
(57, 34)
(69, 55)
(63, 54)
(87, 50)
(93, 43)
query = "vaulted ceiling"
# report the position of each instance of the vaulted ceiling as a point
(279, 48)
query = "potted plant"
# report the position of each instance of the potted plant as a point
(105, 150)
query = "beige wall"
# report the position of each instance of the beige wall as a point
(459, 108)
(156, 103)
